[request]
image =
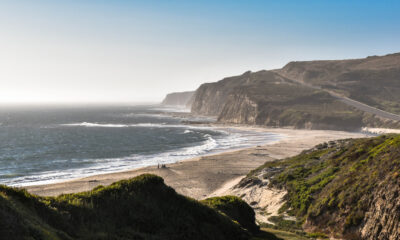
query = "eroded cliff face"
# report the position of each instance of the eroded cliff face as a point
(239, 108)
(298, 95)
(245, 109)
(210, 98)
(382, 220)
(379, 219)
(179, 99)
(266, 98)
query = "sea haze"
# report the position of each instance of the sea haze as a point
(50, 144)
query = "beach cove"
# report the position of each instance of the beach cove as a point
(209, 175)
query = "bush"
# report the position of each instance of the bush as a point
(139, 208)
(236, 209)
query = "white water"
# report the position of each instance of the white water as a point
(235, 139)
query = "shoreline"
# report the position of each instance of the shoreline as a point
(235, 139)
(207, 175)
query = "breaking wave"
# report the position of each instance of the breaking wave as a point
(111, 125)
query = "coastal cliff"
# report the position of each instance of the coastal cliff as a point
(210, 98)
(266, 98)
(345, 189)
(311, 95)
(179, 99)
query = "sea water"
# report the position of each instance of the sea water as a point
(41, 145)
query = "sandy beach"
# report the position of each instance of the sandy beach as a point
(209, 175)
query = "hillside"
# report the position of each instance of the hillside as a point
(373, 80)
(139, 208)
(302, 95)
(345, 189)
(179, 99)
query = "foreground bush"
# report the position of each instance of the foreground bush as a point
(236, 209)
(139, 208)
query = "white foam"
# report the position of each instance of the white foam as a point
(110, 125)
(149, 125)
(107, 165)
(88, 124)
(380, 130)
(152, 115)
(207, 146)
(231, 139)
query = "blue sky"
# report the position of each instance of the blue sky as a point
(88, 51)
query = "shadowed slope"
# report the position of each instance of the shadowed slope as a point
(139, 208)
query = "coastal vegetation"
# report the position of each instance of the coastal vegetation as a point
(236, 209)
(140, 208)
(347, 188)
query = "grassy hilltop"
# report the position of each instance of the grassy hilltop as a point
(139, 208)
(373, 80)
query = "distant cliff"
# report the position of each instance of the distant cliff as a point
(179, 99)
(302, 95)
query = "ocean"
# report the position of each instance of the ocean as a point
(40, 145)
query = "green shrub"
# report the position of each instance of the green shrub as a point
(139, 208)
(236, 209)
(335, 182)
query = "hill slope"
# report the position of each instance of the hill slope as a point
(300, 95)
(373, 80)
(140, 208)
(346, 189)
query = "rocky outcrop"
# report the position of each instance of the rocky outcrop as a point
(382, 220)
(179, 99)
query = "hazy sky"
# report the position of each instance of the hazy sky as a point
(126, 51)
